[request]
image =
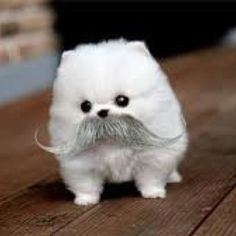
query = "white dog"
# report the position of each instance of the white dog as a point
(130, 122)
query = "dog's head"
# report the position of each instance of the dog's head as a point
(110, 89)
(109, 78)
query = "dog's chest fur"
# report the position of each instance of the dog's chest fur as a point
(118, 162)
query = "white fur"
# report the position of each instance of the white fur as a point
(98, 73)
(229, 39)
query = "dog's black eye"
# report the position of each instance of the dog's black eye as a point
(122, 100)
(86, 106)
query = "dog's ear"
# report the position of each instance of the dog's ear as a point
(140, 46)
(66, 55)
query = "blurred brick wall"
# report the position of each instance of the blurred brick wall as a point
(26, 29)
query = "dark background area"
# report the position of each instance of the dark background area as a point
(168, 28)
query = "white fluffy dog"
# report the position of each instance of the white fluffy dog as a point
(130, 122)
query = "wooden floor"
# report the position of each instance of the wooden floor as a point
(33, 200)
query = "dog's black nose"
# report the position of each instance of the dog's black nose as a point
(103, 113)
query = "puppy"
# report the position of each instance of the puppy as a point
(114, 117)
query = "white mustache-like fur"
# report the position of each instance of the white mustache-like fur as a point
(124, 129)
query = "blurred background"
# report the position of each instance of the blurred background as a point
(34, 32)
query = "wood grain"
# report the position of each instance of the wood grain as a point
(33, 199)
(22, 162)
(223, 219)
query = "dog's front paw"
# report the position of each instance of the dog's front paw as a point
(153, 192)
(84, 199)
